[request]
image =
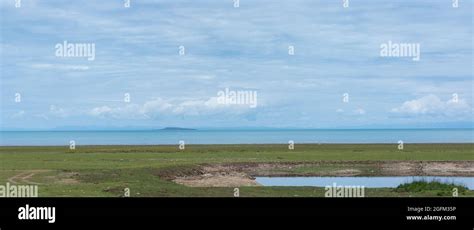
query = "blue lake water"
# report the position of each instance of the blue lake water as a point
(36, 138)
(368, 182)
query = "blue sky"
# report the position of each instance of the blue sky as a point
(337, 51)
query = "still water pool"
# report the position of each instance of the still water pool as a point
(368, 182)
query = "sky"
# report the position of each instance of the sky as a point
(172, 58)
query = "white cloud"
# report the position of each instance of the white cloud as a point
(359, 111)
(434, 106)
(57, 111)
(54, 111)
(18, 114)
(162, 107)
(98, 111)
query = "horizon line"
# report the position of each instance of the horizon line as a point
(225, 129)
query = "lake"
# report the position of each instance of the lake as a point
(155, 137)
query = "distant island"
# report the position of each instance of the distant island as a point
(176, 128)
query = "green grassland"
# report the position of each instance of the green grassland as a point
(106, 170)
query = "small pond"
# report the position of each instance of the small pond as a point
(368, 182)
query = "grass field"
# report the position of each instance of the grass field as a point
(107, 170)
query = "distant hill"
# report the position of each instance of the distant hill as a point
(176, 128)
